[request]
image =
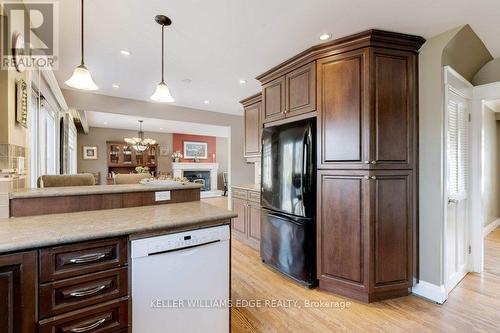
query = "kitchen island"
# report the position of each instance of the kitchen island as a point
(71, 271)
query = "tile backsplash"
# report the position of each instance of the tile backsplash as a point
(12, 167)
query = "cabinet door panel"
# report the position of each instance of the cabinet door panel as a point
(393, 110)
(273, 98)
(340, 227)
(392, 223)
(240, 208)
(254, 222)
(252, 130)
(17, 292)
(341, 109)
(301, 90)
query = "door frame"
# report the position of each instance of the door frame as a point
(456, 84)
(481, 94)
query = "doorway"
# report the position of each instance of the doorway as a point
(457, 120)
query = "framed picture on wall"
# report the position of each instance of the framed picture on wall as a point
(89, 152)
(193, 149)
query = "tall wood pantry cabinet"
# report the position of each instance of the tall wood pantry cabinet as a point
(363, 91)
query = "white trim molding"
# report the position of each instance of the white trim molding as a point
(490, 227)
(430, 291)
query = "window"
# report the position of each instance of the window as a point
(72, 153)
(44, 129)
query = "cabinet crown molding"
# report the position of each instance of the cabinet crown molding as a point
(373, 37)
(251, 99)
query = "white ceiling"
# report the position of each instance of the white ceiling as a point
(215, 43)
(119, 121)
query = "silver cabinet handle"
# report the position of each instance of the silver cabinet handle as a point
(374, 162)
(367, 177)
(367, 162)
(87, 258)
(89, 327)
(87, 292)
(373, 177)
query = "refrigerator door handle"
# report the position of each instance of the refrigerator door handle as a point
(306, 163)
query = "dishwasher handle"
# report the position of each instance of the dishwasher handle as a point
(184, 248)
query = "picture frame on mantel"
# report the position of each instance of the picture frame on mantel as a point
(195, 150)
(89, 152)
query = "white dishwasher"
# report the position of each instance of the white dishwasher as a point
(180, 282)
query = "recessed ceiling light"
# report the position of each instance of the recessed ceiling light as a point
(105, 123)
(115, 86)
(161, 128)
(125, 52)
(241, 81)
(206, 101)
(325, 36)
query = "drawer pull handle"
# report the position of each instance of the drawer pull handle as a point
(87, 258)
(87, 292)
(88, 328)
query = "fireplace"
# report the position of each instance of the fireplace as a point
(200, 177)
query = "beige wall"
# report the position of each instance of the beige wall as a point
(466, 53)
(490, 167)
(242, 172)
(489, 73)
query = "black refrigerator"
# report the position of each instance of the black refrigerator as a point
(288, 181)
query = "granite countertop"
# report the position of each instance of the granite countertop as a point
(24, 233)
(96, 189)
(250, 187)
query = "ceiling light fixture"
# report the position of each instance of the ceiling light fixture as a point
(242, 81)
(115, 86)
(325, 36)
(140, 143)
(162, 93)
(206, 101)
(81, 78)
(125, 52)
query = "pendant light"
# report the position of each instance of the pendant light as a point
(139, 143)
(162, 93)
(81, 78)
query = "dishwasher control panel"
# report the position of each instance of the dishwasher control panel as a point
(177, 241)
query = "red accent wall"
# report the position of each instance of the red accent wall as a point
(178, 145)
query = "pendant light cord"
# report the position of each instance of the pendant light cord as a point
(162, 52)
(82, 34)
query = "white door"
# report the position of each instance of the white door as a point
(457, 150)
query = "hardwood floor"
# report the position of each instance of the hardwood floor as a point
(472, 306)
(492, 252)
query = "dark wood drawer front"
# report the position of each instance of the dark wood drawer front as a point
(77, 259)
(75, 293)
(106, 318)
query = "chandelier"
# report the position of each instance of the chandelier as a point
(140, 143)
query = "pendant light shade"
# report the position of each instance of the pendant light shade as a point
(81, 78)
(162, 93)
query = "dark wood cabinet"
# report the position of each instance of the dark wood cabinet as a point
(365, 225)
(366, 93)
(300, 85)
(253, 125)
(291, 94)
(273, 100)
(246, 227)
(18, 292)
(393, 108)
(343, 124)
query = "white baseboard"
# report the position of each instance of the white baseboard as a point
(430, 291)
(490, 227)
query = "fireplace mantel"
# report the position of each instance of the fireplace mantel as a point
(178, 169)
